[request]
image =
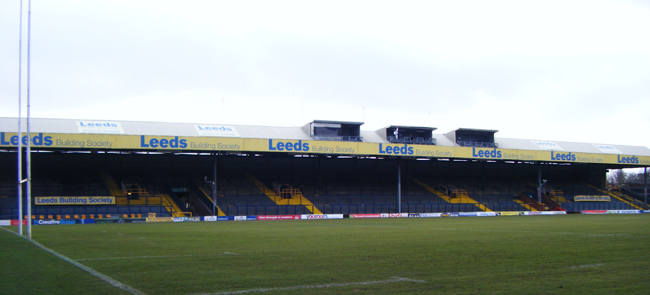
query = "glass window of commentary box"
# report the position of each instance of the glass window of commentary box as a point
(409, 134)
(475, 137)
(334, 130)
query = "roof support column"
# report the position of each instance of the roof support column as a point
(318, 173)
(483, 177)
(214, 186)
(645, 186)
(399, 186)
(539, 183)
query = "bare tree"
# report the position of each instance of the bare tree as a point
(634, 177)
(617, 177)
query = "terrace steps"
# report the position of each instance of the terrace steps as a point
(172, 207)
(219, 212)
(558, 197)
(140, 201)
(620, 198)
(113, 187)
(300, 200)
(528, 199)
(529, 207)
(555, 195)
(462, 199)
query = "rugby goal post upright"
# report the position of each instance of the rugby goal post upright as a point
(19, 150)
(28, 142)
(29, 139)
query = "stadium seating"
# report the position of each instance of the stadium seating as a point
(333, 185)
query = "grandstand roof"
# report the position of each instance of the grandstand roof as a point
(72, 126)
(337, 122)
(477, 130)
(69, 126)
(578, 147)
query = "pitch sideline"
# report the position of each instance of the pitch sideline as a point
(154, 257)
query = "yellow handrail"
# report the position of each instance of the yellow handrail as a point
(290, 193)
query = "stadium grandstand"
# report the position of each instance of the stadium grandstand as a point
(97, 169)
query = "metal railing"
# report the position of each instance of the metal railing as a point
(478, 144)
(140, 201)
(365, 208)
(412, 140)
(338, 138)
(88, 210)
(408, 208)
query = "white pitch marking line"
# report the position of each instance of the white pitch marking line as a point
(147, 257)
(586, 235)
(89, 270)
(392, 280)
(587, 265)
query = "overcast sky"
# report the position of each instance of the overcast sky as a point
(549, 70)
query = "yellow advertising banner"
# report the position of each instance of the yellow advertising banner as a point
(235, 144)
(582, 198)
(112, 141)
(509, 213)
(278, 145)
(406, 150)
(49, 201)
(562, 156)
(160, 219)
(495, 154)
(627, 159)
(644, 161)
(302, 146)
(434, 151)
(334, 147)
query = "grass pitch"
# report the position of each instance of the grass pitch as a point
(573, 254)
